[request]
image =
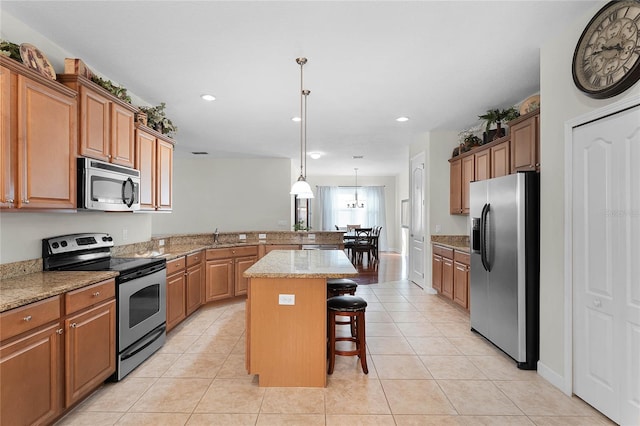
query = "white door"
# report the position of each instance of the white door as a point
(416, 227)
(606, 265)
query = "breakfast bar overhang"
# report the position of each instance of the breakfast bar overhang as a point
(287, 315)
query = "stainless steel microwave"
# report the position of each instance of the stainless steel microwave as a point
(107, 187)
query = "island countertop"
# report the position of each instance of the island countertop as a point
(302, 264)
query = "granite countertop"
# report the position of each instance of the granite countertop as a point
(25, 289)
(459, 247)
(178, 250)
(456, 242)
(302, 264)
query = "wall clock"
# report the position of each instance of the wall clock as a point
(606, 61)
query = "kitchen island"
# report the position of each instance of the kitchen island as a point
(287, 315)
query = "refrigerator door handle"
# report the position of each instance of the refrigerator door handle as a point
(483, 237)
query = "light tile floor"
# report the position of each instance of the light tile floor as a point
(425, 368)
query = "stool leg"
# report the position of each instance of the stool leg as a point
(362, 344)
(332, 342)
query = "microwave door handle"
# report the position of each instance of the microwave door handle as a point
(129, 202)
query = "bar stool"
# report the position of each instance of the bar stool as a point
(340, 286)
(353, 307)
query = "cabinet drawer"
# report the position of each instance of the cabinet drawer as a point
(443, 251)
(461, 257)
(88, 296)
(225, 253)
(25, 318)
(176, 265)
(194, 258)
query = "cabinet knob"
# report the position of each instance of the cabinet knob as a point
(73, 325)
(27, 318)
(96, 294)
(60, 331)
(9, 200)
(25, 201)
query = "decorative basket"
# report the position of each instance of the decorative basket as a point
(141, 118)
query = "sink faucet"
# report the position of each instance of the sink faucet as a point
(216, 234)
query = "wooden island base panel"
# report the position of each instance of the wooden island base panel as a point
(287, 315)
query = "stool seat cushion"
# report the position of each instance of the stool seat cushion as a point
(341, 281)
(342, 286)
(346, 303)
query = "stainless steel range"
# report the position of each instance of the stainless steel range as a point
(140, 292)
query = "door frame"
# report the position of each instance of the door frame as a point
(426, 265)
(614, 108)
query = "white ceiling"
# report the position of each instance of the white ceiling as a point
(439, 63)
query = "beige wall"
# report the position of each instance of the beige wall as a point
(561, 101)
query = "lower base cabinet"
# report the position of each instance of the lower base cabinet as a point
(224, 270)
(450, 274)
(176, 292)
(53, 353)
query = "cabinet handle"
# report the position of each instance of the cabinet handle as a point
(59, 331)
(25, 201)
(27, 318)
(73, 325)
(9, 200)
(96, 294)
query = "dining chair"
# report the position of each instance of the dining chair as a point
(361, 245)
(352, 227)
(375, 238)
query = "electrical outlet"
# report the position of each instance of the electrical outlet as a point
(262, 236)
(286, 299)
(438, 229)
(125, 234)
(160, 243)
(311, 236)
(242, 237)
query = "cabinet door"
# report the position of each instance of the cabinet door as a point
(436, 272)
(455, 187)
(524, 145)
(468, 174)
(90, 347)
(176, 304)
(7, 141)
(447, 277)
(461, 284)
(194, 288)
(122, 137)
(146, 163)
(165, 175)
(219, 276)
(32, 398)
(47, 136)
(482, 165)
(500, 160)
(242, 283)
(94, 125)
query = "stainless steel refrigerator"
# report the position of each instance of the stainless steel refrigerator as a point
(505, 265)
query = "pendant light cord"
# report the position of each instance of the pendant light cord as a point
(301, 61)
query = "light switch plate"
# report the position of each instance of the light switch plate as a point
(286, 299)
(242, 236)
(311, 236)
(160, 243)
(262, 236)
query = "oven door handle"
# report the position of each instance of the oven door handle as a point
(149, 339)
(131, 200)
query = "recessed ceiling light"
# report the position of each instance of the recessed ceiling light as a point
(199, 152)
(315, 155)
(402, 119)
(208, 97)
(358, 157)
(296, 119)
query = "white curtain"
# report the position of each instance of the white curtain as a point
(333, 210)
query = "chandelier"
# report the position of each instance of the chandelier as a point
(355, 203)
(300, 187)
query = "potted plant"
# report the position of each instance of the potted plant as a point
(10, 50)
(117, 91)
(157, 120)
(299, 226)
(497, 116)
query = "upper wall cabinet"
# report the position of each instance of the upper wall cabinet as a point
(38, 131)
(106, 129)
(154, 159)
(525, 142)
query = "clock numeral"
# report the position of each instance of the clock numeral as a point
(595, 80)
(609, 79)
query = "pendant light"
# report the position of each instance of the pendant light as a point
(355, 203)
(301, 188)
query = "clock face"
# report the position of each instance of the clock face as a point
(607, 58)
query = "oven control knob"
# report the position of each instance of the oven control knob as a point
(55, 245)
(63, 243)
(105, 239)
(110, 238)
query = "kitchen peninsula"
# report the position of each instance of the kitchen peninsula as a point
(287, 315)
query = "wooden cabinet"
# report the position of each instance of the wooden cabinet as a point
(39, 140)
(524, 142)
(500, 159)
(450, 274)
(468, 176)
(105, 122)
(195, 281)
(224, 269)
(461, 279)
(455, 187)
(176, 292)
(154, 159)
(31, 342)
(482, 165)
(66, 356)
